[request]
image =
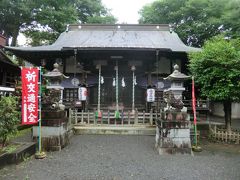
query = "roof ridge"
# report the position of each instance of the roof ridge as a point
(135, 27)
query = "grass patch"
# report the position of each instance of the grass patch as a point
(9, 148)
(20, 133)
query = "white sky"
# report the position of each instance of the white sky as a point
(126, 11)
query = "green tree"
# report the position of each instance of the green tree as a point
(9, 118)
(102, 20)
(43, 20)
(231, 18)
(49, 19)
(217, 70)
(163, 12)
(13, 14)
(93, 11)
(195, 21)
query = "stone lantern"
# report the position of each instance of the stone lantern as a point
(55, 126)
(173, 127)
(177, 78)
(54, 78)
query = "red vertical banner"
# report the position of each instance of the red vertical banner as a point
(194, 102)
(30, 78)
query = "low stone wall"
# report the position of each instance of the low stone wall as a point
(217, 109)
(25, 150)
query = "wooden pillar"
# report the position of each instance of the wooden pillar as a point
(151, 117)
(4, 78)
(75, 116)
(149, 78)
(70, 116)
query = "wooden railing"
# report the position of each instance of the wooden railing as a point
(200, 104)
(224, 135)
(108, 118)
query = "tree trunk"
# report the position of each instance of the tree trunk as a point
(4, 140)
(14, 37)
(227, 114)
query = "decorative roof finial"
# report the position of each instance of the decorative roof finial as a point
(176, 67)
(55, 65)
(177, 75)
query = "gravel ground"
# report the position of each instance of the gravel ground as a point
(115, 157)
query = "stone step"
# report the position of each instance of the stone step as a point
(114, 129)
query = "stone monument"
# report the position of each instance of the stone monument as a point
(55, 129)
(173, 127)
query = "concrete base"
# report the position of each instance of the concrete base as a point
(115, 129)
(53, 138)
(166, 151)
(174, 141)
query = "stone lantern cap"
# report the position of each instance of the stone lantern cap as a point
(55, 77)
(55, 73)
(177, 75)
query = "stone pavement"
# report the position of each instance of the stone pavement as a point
(116, 157)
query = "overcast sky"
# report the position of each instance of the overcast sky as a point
(126, 11)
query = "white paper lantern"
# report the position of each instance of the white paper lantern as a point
(150, 95)
(82, 93)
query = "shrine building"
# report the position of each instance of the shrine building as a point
(115, 63)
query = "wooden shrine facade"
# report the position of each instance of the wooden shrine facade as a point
(8, 72)
(142, 54)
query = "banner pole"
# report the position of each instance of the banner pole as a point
(40, 154)
(40, 112)
(195, 147)
(195, 133)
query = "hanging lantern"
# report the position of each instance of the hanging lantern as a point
(82, 93)
(150, 95)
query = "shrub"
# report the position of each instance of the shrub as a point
(9, 118)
